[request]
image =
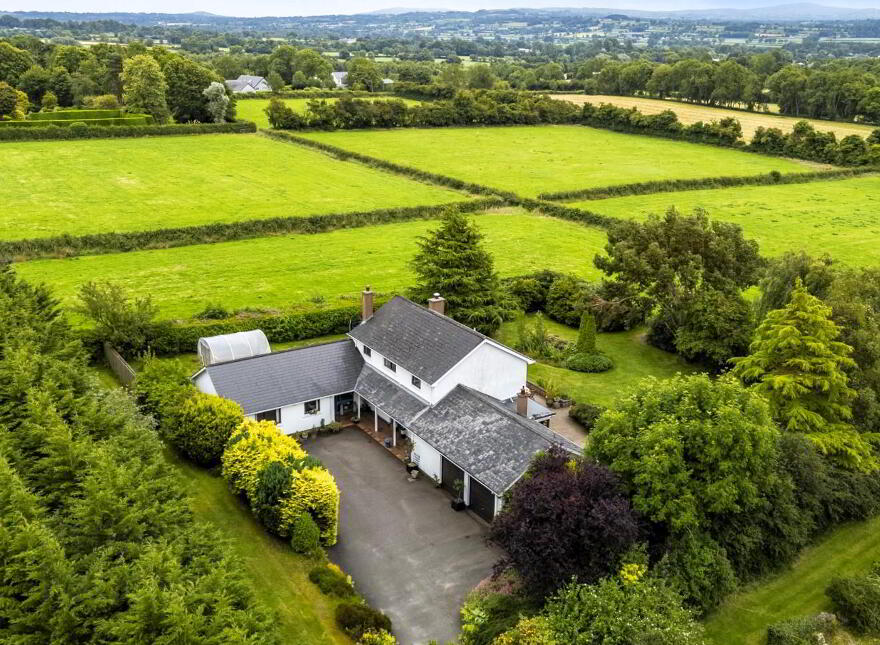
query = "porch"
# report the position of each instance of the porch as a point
(390, 435)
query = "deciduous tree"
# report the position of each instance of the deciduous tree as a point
(144, 87)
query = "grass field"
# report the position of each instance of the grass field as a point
(800, 591)
(276, 271)
(633, 360)
(278, 575)
(253, 109)
(529, 160)
(841, 218)
(690, 113)
(92, 186)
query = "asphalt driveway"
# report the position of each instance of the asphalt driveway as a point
(409, 553)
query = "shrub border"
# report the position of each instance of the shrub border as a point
(54, 132)
(679, 185)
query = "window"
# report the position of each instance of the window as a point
(417, 382)
(268, 415)
(313, 407)
(367, 351)
(391, 366)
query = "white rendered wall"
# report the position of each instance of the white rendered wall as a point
(488, 369)
(295, 419)
(204, 383)
(400, 376)
(428, 457)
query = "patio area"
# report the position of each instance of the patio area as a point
(382, 433)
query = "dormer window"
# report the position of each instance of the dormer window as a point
(391, 366)
(417, 382)
(367, 351)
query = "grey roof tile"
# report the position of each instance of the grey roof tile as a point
(284, 378)
(388, 396)
(484, 438)
(421, 341)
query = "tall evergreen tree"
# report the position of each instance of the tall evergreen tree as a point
(452, 261)
(798, 364)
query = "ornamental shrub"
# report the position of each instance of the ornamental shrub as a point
(313, 491)
(251, 446)
(802, 631)
(205, 423)
(567, 299)
(356, 619)
(696, 567)
(377, 637)
(528, 631)
(856, 600)
(273, 485)
(487, 615)
(330, 579)
(592, 363)
(304, 535)
(586, 414)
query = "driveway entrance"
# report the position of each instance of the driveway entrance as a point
(409, 553)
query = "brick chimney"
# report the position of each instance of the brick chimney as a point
(438, 304)
(366, 304)
(522, 402)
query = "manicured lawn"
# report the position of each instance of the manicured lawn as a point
(533, 159)
(800, 591)
(93, 186)
(278, 575)
(254, 109)
(633, 360)
(841, 218)
(278, 271)
(689, 113)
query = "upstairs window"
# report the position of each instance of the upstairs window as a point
(417, 382)
(313, 407)
(268, 415)
(391, 366)
(367, 351)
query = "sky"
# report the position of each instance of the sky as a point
(319, 7)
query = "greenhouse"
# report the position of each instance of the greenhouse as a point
(230, 347)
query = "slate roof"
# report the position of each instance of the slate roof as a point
(388, 396)
(274, 380)
(421, 341)
(484, 438)
(235, 85)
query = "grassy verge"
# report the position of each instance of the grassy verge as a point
(633, 361)
(279, 576)
(800, 591)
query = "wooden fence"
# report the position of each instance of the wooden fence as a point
(118, 365)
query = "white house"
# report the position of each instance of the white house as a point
(458, 395)
(245, 84)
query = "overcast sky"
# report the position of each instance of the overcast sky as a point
(318, 7)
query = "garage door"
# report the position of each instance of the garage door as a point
(482, 500)
(449, 474)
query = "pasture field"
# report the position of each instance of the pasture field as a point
(529, 160)
(691, 113)
(633, 359)
(279, 271)
(254, 109)
(841, 218)
(99, 185)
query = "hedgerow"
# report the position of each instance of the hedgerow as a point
(251, 446)
(307, 94)
(120, 131)
(677, 185)
(135, 120)
(113, 242)
(205, 424)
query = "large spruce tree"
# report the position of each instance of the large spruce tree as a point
(452, 261)
(798, 364)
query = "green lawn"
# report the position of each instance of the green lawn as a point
(800, 591)
(841, 218)
(279, 271)
(93, 186)
(278, 575)
(633, 360)
(254, 109)
(533, 159)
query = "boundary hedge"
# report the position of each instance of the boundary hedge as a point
(62, 246)
(678, 185)
(308, 94)
(53, 132)
(140, 119)
(79, 115)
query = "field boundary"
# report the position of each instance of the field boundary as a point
(54, 132)
(65, 246)
(706, 183)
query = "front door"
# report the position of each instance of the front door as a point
(449, 474)
(482, 500)
(344, 404)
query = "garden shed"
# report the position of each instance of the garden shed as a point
(230, 347)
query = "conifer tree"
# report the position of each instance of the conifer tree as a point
(452, 261)
(586, 342)
(798, 364)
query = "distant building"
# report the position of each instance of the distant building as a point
(339, 79)
(245, 84)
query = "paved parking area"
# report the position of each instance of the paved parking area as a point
(409, 553)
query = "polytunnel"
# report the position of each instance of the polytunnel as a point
(229, 347)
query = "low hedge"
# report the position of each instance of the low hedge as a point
(331, 581)
(579, 215)
(111, 242)
(308, 94)
(78, 115)
(52, 132)
(63, 123)
(856, 600)
(802, 631)
(355, 619)
(676, 185)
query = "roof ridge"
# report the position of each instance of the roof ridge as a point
(444, 317)
(283, 351)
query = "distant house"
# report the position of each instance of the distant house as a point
(339, 79)
(245, 84)
(459, 396)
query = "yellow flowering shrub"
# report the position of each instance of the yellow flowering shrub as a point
(251, 446)
(313, 491)
(631, 573)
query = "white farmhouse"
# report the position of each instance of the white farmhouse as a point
(245, 84)
(458, 395)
